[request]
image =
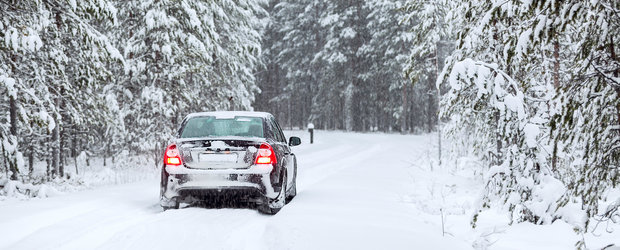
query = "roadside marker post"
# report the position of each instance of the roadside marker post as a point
(311, 130)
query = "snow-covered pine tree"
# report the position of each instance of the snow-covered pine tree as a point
(20, 25)
(497, 98)
(511, 59)
(184, 56)
(431, 40)
(326, 45)
(345, 24)
(290, 54)
(54, 53)
(586, 123)
(389, 96)
(270, 76)
(83, 68)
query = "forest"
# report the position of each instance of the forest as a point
(529, 88)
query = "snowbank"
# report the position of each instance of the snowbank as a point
(124, 169)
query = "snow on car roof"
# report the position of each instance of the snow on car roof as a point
(230, 114)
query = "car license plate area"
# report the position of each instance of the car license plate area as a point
(218, 158)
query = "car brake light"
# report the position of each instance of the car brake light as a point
(172, 156)
(265, 155)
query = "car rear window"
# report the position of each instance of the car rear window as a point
(210, 126)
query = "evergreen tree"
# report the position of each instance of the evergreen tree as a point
(503, 79)
(389, 95)
(291, 76)
(66, 88)
(331, 62)
(55, 54)
(184, 56)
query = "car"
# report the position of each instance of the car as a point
(232, 155)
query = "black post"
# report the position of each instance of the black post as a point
(311, 130)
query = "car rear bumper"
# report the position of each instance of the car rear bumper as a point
(183, 182)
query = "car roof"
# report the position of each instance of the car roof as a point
(230, 114)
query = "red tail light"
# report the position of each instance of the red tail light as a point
(172, 156)
(265, 155)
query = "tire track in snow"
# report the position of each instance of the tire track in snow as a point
(105, 229)
(71, 219)
(191, 227)
(16, 230)
(310, 176)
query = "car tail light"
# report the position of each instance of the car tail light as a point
(265, 155)
(172, 156)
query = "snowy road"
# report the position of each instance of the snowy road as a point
(350, 196)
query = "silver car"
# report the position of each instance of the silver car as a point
(230, 155)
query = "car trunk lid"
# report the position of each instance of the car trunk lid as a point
(220, 153)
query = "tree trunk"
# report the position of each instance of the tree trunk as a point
(556, 64)
(105, 155)
(108, 152)
(498, 138)
(556, 85)
(288, 115)
(76, 165)
(11, 164)
(403, 115)
(31, 160)
(61, 153)
(74, 149)
(55, 151)
(175, 115)
(6, 164)
(48, 170)
(74, 143)
(430, 111)
(348, 107)
(13, 116)
(56, 142)
(612, 54)
(438, 101)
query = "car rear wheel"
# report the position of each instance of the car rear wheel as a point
(293, 192)
(175, 205)
(172, 203)
(273, 206)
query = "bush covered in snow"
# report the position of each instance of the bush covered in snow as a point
(534, 88)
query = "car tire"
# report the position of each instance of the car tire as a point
(273, 206)
(174, 206)
(163, 185)
(174, 201)
(293, 192)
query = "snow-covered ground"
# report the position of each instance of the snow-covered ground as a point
(355, 191)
